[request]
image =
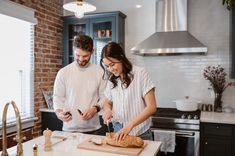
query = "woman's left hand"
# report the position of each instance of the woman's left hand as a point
(120, 135)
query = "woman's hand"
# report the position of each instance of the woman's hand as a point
(107, 116)
(120, 135)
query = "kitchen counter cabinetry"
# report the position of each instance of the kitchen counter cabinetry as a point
(217, 139)
(69, 146)
(50, 121)
(27, 133)
(102, 27)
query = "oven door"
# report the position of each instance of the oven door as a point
(187, 143)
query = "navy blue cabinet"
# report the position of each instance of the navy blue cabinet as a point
(50, 121)
(217, 139)
(102, 27)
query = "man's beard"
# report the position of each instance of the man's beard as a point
(83, 63)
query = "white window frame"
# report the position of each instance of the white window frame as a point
(21, 12)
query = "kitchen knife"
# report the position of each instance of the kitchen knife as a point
(108, 127)
(57, 139)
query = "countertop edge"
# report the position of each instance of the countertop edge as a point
(215, 117)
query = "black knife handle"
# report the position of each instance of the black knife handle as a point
(79, 111)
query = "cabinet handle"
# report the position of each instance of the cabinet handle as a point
(206, 143)
(217, 127)
(22, 139)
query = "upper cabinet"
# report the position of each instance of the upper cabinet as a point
(102, 27)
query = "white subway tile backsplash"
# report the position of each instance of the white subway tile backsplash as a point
(179, 76)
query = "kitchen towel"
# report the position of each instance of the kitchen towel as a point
(167, 138)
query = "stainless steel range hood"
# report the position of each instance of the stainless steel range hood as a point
(171, 36)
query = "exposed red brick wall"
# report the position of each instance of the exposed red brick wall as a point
(48, 49)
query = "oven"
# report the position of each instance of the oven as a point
(186, 127)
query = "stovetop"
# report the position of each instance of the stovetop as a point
(176, 114)
(171, 118)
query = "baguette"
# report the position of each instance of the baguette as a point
(129, 141)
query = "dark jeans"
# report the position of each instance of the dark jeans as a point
(95, 132)
(145, 136)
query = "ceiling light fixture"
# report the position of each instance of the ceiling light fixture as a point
(138, 6)
(79, 7)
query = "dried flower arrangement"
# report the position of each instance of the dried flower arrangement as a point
(229, 3)
(217, 77)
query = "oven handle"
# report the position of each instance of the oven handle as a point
(184, 133)
(179, 133)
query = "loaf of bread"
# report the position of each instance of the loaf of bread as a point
(129, 141)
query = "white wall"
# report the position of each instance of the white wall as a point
(140, 23)
(178, 76)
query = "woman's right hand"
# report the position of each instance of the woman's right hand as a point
(107, 116)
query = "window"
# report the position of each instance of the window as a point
(16, 60)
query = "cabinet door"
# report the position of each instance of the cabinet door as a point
(217, 147)
(102, 31)
(50, 121)
(72, 29)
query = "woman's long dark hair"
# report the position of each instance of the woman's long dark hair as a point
(114, 50)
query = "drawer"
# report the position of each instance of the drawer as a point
(218, 129)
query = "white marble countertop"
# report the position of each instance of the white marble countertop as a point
(69, 146)
(215, 117)
(46, 110)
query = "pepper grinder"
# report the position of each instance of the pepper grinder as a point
(47, 145)
(35, 150)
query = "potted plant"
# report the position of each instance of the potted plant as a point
(217, 77)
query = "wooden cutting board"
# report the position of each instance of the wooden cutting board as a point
(108, 148)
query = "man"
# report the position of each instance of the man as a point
(78, 90)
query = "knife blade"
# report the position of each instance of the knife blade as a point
(57, 139)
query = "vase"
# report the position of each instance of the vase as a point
(218, 102)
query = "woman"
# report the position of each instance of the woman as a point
(130, 95)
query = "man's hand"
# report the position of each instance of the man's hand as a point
(89, 113)
(63, 116)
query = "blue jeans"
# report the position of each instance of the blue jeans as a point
(117, 126)
(145, 136)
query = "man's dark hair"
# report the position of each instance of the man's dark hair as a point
(83, 42)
